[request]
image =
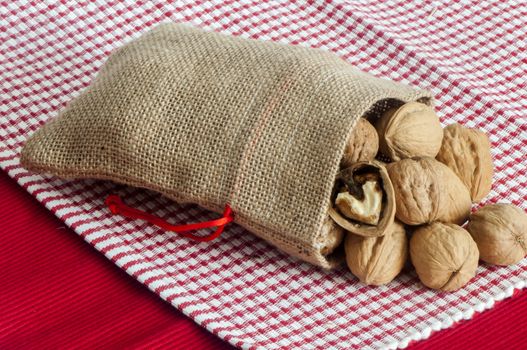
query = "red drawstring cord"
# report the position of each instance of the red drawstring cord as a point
(116, 206)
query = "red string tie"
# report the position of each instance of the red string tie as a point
(117, 206)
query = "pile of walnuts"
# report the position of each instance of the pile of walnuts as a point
(413, 203)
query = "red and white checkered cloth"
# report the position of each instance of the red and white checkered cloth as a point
(472, 55)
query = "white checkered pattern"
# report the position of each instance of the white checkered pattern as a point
(471, 54)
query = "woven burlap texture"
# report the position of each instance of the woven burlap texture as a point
(211, 119)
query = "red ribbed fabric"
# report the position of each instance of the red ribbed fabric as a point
(58, 292)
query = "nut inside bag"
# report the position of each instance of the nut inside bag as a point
(216, 120)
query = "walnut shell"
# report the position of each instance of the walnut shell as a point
(412, 130)
(362, 145)
(444, 256)
(500, 231)
(331, 236)
(426, 191)
(467, 153)
(387, 207)
(377, 260)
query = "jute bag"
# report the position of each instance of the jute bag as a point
(210, 119)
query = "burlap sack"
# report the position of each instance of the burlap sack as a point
(211, 119)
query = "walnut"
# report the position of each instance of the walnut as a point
(331, 236)
(444, 256)
(500, 231)
(363, 199)
(412, 130)
(377, 260)
(362, 145)
(426, 191)
(364, 206)
(467, 153)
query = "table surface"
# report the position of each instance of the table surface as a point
(58, 292)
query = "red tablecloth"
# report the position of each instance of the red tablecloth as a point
(58, 292)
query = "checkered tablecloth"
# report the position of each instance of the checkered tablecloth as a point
(472, 55)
